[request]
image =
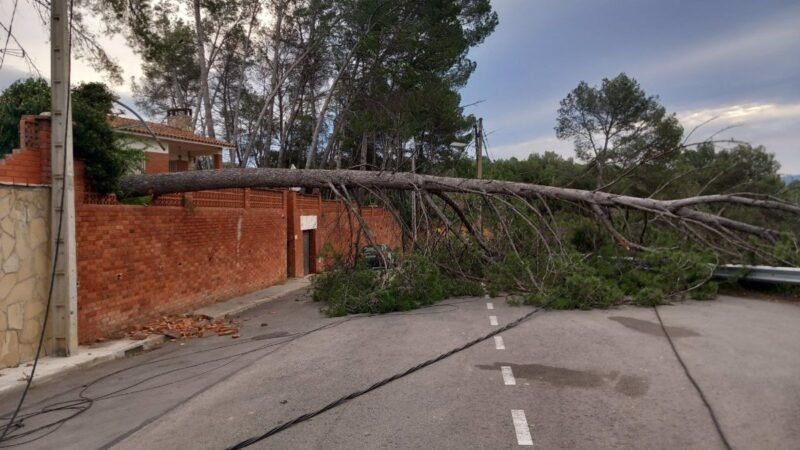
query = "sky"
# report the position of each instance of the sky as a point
(738, 61)
(735, 60)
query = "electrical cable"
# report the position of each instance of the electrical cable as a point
(342, 400)
(58, 233)
(694, 383)
(71, 404)
(85, 402)
(4, 52)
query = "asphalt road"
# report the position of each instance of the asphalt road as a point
(563, 379)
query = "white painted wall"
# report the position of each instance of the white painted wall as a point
(308, 223)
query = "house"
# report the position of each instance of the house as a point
(180, 149)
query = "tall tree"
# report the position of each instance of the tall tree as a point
(170, 71)
(617, 125)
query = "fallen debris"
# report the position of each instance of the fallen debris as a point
(186, 326)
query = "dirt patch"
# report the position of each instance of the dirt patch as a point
(629, 385)
(653, 328)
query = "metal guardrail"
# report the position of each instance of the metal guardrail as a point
(766, 274)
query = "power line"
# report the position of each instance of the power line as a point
(25, 54)
(58, 233)
(8, 34)
(342, 400)
(697, 387)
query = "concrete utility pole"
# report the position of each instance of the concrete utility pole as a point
(64, 303)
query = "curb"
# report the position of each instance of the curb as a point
(14, 379)
(244, 303)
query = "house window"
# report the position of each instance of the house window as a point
(173, 166)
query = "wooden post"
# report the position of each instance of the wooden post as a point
(479, 163)
(414, 196)
(479, 147)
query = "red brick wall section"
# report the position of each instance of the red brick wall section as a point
(340, 231)
(30, 164)
(384, 227)
(183, 251)
(139, 262)
(156, 163)
(22, 167)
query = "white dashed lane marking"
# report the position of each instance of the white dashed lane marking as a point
(521, 427)
(493, 320)
(508, 376)
(498, 343)
(489, 305)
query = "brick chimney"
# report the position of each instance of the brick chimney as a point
(180, 118)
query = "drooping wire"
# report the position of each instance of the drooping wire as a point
(24, 54)
(84, 402)
(694, 383)
(68, 55)
(8, 34)
(342, 400)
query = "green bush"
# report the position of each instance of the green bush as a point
(106, 157)
(649, 296)
(346, 290)
(413, 282)
(459, 287)
(613, 277)
(585, 291)
(30, 96)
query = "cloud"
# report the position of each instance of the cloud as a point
(778, 35)
(34, 36)
(740, 114)
(539, 144)
(773, 125)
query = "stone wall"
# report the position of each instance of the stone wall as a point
(24, 270)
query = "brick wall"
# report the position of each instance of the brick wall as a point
(29, 164)
(156, 163)
(139, 262)
(183, 251)
(340, 231)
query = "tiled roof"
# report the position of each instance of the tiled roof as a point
(165, 131)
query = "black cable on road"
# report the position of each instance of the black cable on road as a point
(384, 382)
(10, 423)
(694, 383)
(84, 402)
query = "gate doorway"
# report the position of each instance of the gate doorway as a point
(307, 251)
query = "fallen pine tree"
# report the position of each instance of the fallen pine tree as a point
(538, 239)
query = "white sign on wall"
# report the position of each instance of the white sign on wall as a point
(308, 223)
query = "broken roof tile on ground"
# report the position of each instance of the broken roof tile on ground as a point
(186, 326)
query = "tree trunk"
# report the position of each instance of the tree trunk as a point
(312, 149)
(201, 59)
(677, 210)
(363, 152)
